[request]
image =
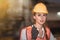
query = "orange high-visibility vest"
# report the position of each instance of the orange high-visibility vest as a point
(29, 37)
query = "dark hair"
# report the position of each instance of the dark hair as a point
(34, 13)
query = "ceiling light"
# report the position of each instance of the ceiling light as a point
(58, 13)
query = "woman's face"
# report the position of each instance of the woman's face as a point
(40, 18)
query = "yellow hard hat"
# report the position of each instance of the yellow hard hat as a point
(40, 7)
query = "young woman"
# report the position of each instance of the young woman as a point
(38, 30)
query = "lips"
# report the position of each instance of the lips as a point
(41, 20)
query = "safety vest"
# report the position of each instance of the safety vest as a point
(28, 34)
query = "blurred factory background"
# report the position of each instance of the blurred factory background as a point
(15, 14)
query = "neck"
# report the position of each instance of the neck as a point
(38, 26)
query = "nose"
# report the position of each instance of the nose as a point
(42, 17)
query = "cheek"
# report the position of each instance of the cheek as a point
(44, 18)
(37, 18)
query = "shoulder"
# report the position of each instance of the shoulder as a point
(23, 34)
(22, 31)
(25, 28)
(29, 27)
(47, 29)
(48, 32)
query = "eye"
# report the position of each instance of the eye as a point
(44, 14)
(39, 14)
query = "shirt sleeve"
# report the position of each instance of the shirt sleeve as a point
(52, 37)
(23, 34)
